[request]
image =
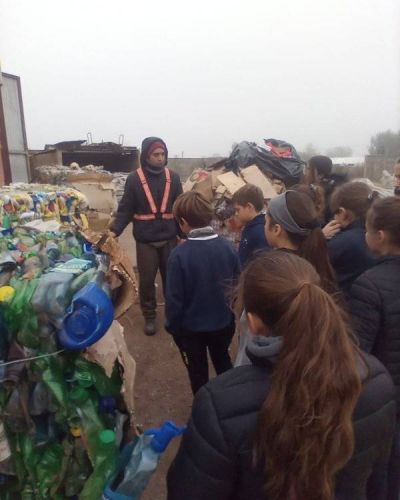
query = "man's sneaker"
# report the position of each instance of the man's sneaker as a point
(150, 327)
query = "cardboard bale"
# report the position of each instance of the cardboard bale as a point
(98, 221)
(88, 176)
(214, 177)
(232, 182)
(121, 270)
(198, 175)
(204, 187)
(100, 195)
(110, 348)
(253, 175)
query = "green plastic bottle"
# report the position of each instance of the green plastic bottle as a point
(83, 375)
(53, 377)
(6, 221)
(104, 465)
(28, 493)
(82, 404)
(106, 386)
(78, 471)
(49, 468)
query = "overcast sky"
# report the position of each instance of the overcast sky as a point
(203, 75)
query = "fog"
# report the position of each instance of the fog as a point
(203, 75)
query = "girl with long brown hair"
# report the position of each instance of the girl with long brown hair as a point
(292, 224)
(348, 250)
(309, 419)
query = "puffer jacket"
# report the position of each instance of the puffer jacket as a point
(375, 310)
(349, 254)
(215, 460)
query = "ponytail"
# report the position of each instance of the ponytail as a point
(304, 433)
(314, 249)
(357, 197)
(313, 246)
(311, 401)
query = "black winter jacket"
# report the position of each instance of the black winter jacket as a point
(134, 201)
(375, 309)
(214, 461)
(349, 254)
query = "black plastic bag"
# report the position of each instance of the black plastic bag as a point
(289, 170)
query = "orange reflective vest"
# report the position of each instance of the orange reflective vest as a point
(150, 199)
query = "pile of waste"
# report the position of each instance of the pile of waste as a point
(66, 377)
(273, 168)
(63, 174)
(119, 180)
(21, 203)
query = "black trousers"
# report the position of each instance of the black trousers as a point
(193, 347)
(151, 257)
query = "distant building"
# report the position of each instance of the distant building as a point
(349, 161)
(113, 157)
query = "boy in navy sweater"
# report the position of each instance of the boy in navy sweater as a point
(200, 273)
(249, 211)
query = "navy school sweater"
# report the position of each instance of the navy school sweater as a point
(253, 239)
(200, 275)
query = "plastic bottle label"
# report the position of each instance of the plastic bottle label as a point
(5, 452)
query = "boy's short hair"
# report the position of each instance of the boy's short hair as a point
(249, 194)
(194, 208)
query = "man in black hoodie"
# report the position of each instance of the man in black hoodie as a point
(149, 194)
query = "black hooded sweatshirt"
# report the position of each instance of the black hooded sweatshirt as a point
(134, 201)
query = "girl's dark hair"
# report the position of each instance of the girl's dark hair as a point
(384, 215)
(304, 433)
(316, 193)
(322, 164)
(311, 247)
(357, 197)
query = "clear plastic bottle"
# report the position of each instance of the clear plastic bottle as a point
(6, 463)
(144, 459)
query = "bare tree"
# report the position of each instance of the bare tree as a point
(386, 144)
(308, 152)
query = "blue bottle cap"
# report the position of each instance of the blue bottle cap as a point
(107, 404)
(164, 435)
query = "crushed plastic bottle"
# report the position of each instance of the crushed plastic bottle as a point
(6, 463)
(104, 465)
(143, 461)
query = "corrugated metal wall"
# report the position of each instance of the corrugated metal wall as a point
(15, 127)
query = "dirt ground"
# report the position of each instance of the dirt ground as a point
(162, 390)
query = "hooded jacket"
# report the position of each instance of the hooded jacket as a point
(375, 310)
(134, 201)
(215, 458)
